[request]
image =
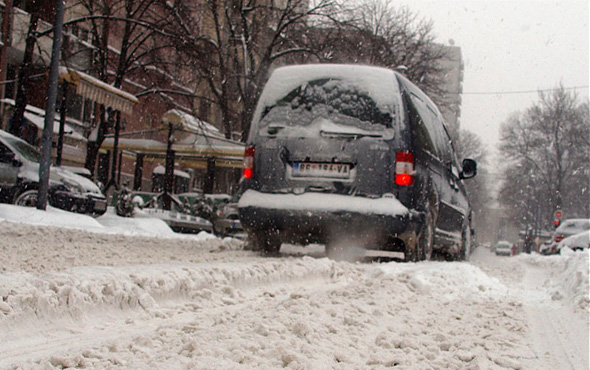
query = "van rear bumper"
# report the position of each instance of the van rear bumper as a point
(320, 217)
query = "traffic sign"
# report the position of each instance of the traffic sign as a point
(558, 214)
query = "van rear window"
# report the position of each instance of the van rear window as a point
(337, 100)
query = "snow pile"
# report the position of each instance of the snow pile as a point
(573, 279)
(109, 223)
(449, 280)
(76, 290)
(72, 298)
(567, 275)
(51, 217)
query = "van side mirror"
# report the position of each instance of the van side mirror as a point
(469, 169)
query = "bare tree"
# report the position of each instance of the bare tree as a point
(24, 73)
(379, 33)
(129, 39)
(243, 40)
(471, 146)
(549, 149)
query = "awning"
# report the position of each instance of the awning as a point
(149, 146)
(40, 123)
(98, 91)
(188, 123)
(195, 141)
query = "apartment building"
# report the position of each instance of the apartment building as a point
(138, 119)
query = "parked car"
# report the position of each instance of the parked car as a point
(349, 151)
(576, 242)
(189, 212)
(567, 228)
(503, 248)
(19, 180)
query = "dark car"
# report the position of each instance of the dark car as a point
(19, 180)
(356, 154)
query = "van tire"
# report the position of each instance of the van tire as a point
(425, 243)
(264, 242)
(26, 197)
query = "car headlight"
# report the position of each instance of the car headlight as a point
(72, 186)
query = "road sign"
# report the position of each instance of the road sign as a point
(558, 214)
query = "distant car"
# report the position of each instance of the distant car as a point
(567, 228)
(19, 181)
(571, 227)
(503, 248)
(576, 242)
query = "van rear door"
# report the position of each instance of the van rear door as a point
(328, 135)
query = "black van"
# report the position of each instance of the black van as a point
(347, 154)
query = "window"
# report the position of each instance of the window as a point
(339, 100)
(6, 154)
(433, 125)
(423, 136)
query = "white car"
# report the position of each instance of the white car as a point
(576, 242)
(503, 248)
(567, 228)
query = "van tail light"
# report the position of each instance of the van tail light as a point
(404, 168)
(559, 238)
(249, 162)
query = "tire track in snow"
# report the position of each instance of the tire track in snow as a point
(556, 332)
(53, 337)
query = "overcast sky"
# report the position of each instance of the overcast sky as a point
(511, 46)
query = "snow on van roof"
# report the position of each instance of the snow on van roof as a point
(378, 82)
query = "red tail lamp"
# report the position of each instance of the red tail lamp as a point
(249, 162)
(404, 168)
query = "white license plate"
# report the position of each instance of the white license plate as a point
(328, 170)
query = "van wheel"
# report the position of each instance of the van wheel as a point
(26, 198)
(426, 239)
(265, 243)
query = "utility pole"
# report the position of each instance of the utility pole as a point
(47, 137)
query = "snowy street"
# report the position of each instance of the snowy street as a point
(130, 294)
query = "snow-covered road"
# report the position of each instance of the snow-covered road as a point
(132, 300)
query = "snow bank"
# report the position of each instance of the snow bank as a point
(50, 217)
(452, 281)
(568, 275)
(109, 223)
(77, 290)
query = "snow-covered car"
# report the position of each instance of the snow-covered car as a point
(19, 180)
(189, 212)
(503, 248)
(340, 152)
(576, 242)
(567, 228)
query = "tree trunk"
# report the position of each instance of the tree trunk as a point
(23, 78)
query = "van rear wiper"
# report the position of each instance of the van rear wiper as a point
(347, 135)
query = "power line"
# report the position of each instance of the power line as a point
(522, 91)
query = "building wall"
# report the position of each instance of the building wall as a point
(452, 65)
